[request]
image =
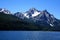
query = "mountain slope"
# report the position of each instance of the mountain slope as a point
(38, 17)
(11, 22)
(32, 19)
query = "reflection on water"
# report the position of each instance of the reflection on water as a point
(29, 35)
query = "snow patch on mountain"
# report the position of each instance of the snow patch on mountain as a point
(51, 25)
(1, 10)
(35, 14)
(25, 14)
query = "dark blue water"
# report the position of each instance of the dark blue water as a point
(29, 35)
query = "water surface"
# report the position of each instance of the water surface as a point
(29, 35)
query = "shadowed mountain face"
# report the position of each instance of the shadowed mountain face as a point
(32, 19)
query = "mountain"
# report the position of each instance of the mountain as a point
(12, 22)
(39, 17)
(19, 14)
(5, 11)
(32, 19)
(31, 13)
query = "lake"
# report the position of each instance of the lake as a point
(29, 35)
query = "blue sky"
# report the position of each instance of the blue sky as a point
(53, 6)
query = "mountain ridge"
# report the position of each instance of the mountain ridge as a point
(40, 15)
(34, 18)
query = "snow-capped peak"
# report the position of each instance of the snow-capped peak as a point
(1, 9)
(32, 9)
(31, 13)
(4, 11)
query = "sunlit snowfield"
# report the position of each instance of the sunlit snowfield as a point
(29, 35)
